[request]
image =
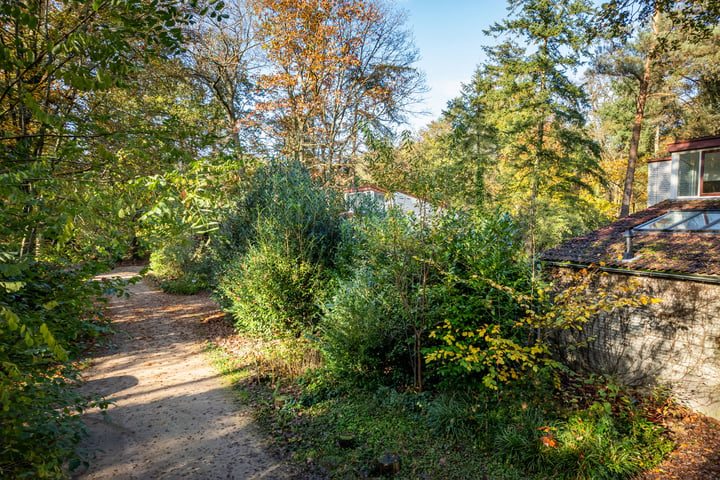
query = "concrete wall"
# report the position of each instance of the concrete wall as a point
(367, 198)
(674, 343)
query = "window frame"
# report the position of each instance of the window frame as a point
(696, 171)
(643, 227)
(702, 174)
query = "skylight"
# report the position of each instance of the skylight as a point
(684, 221)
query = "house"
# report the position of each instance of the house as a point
(672, 249)
(369, 195)
(692, 171)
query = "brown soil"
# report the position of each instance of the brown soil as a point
(172, 417)
(697, 449)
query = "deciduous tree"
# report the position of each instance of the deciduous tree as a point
(55, 58)
(336, 67)
(222, 56)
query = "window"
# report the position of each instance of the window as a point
(684, 221)
(688, 174)
(710, 184)
(699, 173)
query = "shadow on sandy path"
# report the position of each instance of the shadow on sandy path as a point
(172, 416)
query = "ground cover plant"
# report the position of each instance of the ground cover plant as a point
(593, 430)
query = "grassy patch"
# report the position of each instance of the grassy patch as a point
(229, 366)
(341, 431)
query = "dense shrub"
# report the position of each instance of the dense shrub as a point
(270, 293)
(364, 333)
(48, 314)
(290, 209)
(277, 250)
(182, 266)
(411, 276)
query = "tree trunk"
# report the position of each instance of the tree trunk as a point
(637, 124)
(635, 141)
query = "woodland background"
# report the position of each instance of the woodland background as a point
(217, 138)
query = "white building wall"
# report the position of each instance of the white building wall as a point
(659, 182)
(408, 203)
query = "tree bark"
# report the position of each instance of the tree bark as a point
(637, 124)
(635, 141)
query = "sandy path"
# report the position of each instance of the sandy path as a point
(172, 416)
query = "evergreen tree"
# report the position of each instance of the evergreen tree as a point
(535, 112)
(661, 21)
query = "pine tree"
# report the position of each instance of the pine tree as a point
(535, 111)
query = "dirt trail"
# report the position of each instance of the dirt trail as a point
(172, 416)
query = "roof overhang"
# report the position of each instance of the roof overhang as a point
(687, 277)
(366, 188)
(695, 144)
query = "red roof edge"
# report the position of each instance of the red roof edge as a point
(695, 144)
(657, 160)
(366, 188)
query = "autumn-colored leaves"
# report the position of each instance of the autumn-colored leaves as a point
(334, 66)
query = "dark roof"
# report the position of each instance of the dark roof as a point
(686, 252)
(660, 159)
(694, 144)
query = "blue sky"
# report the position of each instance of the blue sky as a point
(449, 35)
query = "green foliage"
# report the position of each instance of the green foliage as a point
(183, 268)
(49, 312)
(40, 422)
(188, 198)
(519, 343)
(293, 211)
(171, 261)
(453, 416)
(381, 421)
(56, 65)
(519, 125)
(521, 433)
(364, 334)
(278, 248)
(269, 293)
(60, 296)
(189, 284)
(409, 277)
(609, 439)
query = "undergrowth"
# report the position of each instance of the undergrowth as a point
(593, 430)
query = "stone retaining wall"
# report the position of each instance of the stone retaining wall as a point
(674, 343)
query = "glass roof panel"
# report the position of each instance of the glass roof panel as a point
(668, 220)
(685, 221)
(699, 222)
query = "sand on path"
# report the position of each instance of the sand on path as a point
(172, 417)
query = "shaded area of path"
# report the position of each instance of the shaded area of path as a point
(172, 416)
